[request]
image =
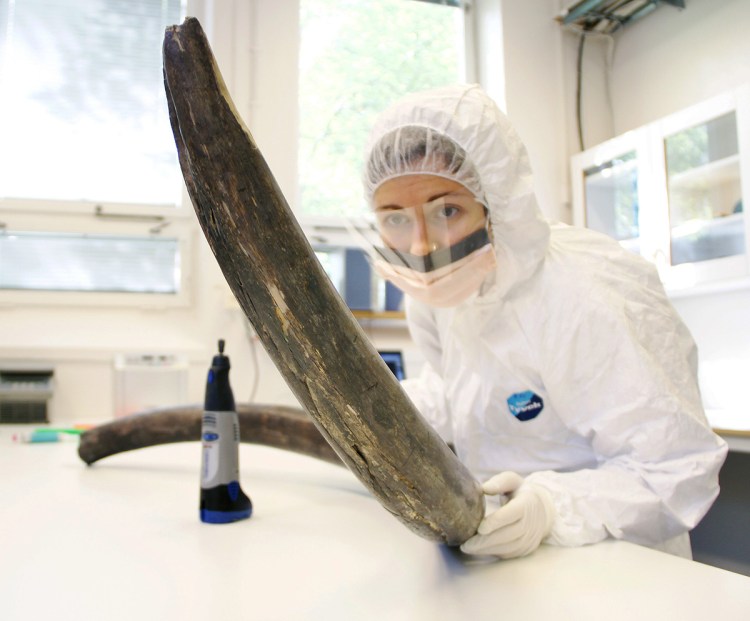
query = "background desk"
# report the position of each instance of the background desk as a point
(122, 540)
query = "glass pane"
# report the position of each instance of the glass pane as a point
(332, 260)
(612, 199)
(356, 58)
(83, 100)
(705, 195)
(60, 262)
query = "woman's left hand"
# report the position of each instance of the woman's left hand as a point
(519, 526)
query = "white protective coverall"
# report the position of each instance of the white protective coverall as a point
(570, 366)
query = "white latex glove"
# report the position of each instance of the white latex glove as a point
(519, 526)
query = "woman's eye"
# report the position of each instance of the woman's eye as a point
(395, 219)
(447, 211)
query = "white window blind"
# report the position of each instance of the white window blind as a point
(64, 262)
(82, 104)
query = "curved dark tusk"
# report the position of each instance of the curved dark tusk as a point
(270, 425)
(307, 330)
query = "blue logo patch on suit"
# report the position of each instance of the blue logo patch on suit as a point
(525, 405)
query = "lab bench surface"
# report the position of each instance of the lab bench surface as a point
(737, 439)
(122, 540)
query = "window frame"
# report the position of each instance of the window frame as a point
(42, 215)
(85, 223)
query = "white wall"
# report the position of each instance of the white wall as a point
(535, 95)
(677, 58)
(662, 64)
(665, 62)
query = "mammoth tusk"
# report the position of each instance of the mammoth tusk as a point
(270, 425)
(307, 330)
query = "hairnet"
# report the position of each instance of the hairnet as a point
(414, 149)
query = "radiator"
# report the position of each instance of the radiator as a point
(25, 393)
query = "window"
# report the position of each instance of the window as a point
(82, 112)
(89, 166)
(356, 57)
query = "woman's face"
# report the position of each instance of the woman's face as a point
(423, 213)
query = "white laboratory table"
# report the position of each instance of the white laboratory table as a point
(122, 540)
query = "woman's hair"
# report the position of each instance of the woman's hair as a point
(412, 150)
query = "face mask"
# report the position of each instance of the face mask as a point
(446, 286)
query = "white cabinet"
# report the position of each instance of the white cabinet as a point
(674, 190)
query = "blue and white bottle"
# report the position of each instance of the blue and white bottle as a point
(222, 498)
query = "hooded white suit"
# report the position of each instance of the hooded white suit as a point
(570, 366)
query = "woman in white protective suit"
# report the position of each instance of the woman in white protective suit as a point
(555, 365)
